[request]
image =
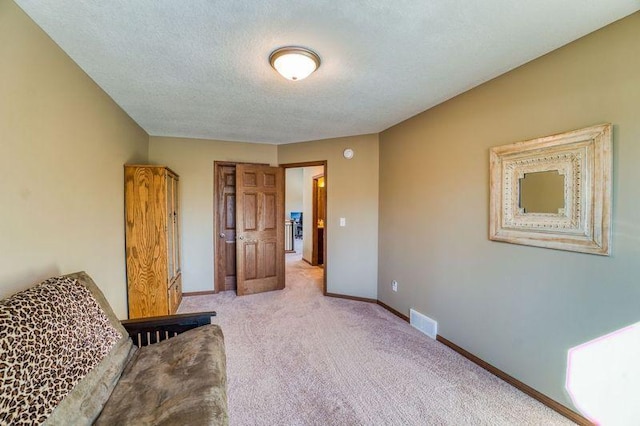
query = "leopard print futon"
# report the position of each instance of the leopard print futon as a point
(51, 336)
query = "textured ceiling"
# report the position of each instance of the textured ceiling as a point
(200, 68)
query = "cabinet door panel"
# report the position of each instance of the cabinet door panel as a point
(176, 219)
(170, 228)
(146, 241)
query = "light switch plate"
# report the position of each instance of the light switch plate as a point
(343, 221)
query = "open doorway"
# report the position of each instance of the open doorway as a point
(305, 214)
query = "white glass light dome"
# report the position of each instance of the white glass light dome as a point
(294, 63)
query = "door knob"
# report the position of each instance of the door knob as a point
(222, 235)
(241, 237)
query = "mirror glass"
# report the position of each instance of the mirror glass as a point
(542, 192)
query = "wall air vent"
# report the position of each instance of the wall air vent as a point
(423, 323)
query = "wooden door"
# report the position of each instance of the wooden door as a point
(260, 228)
(318, 219)
(225, 258)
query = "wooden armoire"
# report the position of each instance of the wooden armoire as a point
(154, 285)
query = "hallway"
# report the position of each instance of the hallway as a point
(299, 275)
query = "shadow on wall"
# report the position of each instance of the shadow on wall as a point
(19, 281)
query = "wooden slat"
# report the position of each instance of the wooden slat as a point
(146, 331)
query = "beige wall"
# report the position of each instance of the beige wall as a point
(63, 142)
(519, 308)
(193, 159)
(352, 250)
(307, 211)
(293, 196)
(352, 193)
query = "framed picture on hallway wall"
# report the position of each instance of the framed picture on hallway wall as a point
(554, 191)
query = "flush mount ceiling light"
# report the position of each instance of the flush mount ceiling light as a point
(294, 63)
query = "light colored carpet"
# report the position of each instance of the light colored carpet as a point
(295, 357)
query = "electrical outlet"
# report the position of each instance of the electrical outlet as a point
(394, 285)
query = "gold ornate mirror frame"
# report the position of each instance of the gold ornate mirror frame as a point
(583, 224)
